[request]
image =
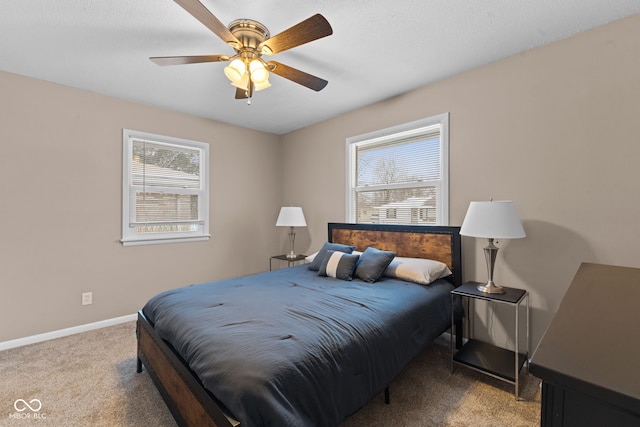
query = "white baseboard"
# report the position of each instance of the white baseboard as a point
(66, 332)
(84, 328)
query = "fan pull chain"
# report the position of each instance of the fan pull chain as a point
(249, 91)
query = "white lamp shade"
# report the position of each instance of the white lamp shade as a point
(291, 216)
(492, 220)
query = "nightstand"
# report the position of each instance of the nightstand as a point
(290, 261)
(487, 358)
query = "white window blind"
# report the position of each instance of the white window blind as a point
(165, 189)
(400, 175)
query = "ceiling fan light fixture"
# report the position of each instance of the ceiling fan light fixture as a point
(243, 83)
(259, 73)
(236, 70)
(250, 39)
(263, 85)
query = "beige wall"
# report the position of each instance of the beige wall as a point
(60, 196)
(555, 129)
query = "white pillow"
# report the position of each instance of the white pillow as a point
(418, 270)
(309, 258)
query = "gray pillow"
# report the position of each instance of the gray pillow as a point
(315, 264)
(372, 264)
(339, 265)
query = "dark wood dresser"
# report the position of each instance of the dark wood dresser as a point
(589, 357)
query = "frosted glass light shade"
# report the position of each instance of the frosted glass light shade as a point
(259, 73)
(235, 70)
(492, 220)
(243, 83)
(291, 216)
(259, 86)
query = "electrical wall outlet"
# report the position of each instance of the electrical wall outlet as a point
(87, 298)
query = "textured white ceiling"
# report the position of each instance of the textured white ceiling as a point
(379, 49)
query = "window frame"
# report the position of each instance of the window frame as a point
(398, 132)
(129, 236)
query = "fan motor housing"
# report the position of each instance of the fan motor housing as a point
(249, 32)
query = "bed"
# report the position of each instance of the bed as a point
(293, 347)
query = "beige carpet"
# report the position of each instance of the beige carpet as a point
(89, 379)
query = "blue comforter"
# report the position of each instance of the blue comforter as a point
(291, 348)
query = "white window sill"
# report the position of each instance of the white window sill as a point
(139, 242)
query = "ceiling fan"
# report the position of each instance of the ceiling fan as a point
(250, 39)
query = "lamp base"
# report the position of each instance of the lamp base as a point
(490, 254)
(491, 288)
(292, 241)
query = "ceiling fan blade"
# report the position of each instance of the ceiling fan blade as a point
(179, 60)
(295, 75)
(242, 93)
(310, 29)
(204, 15)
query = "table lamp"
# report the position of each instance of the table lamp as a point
(492, 220)
(291, 217)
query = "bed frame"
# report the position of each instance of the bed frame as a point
(192, 405)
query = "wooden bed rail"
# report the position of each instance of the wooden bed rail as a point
(190, 404)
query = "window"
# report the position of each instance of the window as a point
(165, 191)
(400, 175)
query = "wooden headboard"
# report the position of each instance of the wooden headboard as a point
(440, 243)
